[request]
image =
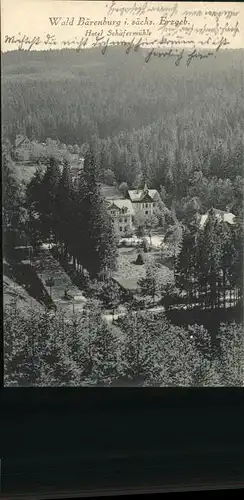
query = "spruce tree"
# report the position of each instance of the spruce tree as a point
(34, 348)
(151, 284)
(34, 206)
(96, 247)
(185, 264)
(211, 266)
(49, 216)
(111, 295)
(12, 206)
(237, 258)
(94, 349)
(139, 349)
(231, 356)
(65, 208)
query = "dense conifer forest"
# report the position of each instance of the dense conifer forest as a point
(179, 127)
(180, 130)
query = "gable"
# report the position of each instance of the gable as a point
(26, 142)
(122, 206)
(112, 206)
(139, 195)
(22, 142)
(19, 139)
(135, 195)
(146, 198)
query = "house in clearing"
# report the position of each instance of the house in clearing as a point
(122, 212)
(220, 215)
(144, 200)
(23, 148)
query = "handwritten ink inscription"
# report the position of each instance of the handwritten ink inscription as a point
(165, 30)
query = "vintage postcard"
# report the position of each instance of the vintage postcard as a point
(122, 163)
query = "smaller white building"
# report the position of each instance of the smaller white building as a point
(122, 213)
(220, 215)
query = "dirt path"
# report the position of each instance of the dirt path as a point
(48, 268)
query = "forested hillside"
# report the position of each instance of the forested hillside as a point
(178, 127)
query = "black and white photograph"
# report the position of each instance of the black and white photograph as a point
(122, 174)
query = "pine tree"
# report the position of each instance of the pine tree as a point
(185, 264)
(207, 262)
(95, 351)
(211, 267)
(156, 353)
(34, 344)
(178, 356)
(236, 257)
(134, 172)
(110, 294)
(139, 349)
(96, 248)
(12, 206)
(49, 216)
(151, 222)
(79, 237)
(124, 189)
(65, 207)
(140, 221)
(34, 205)
(220, 233)
(231, 356)
(152, 283)
(109, 177)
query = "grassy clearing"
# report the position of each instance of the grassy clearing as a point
(128, 270)
(126, 267)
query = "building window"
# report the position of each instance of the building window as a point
(121, 229)
(146, 205)
(146, 212)
(120, 220)
(125, 219)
